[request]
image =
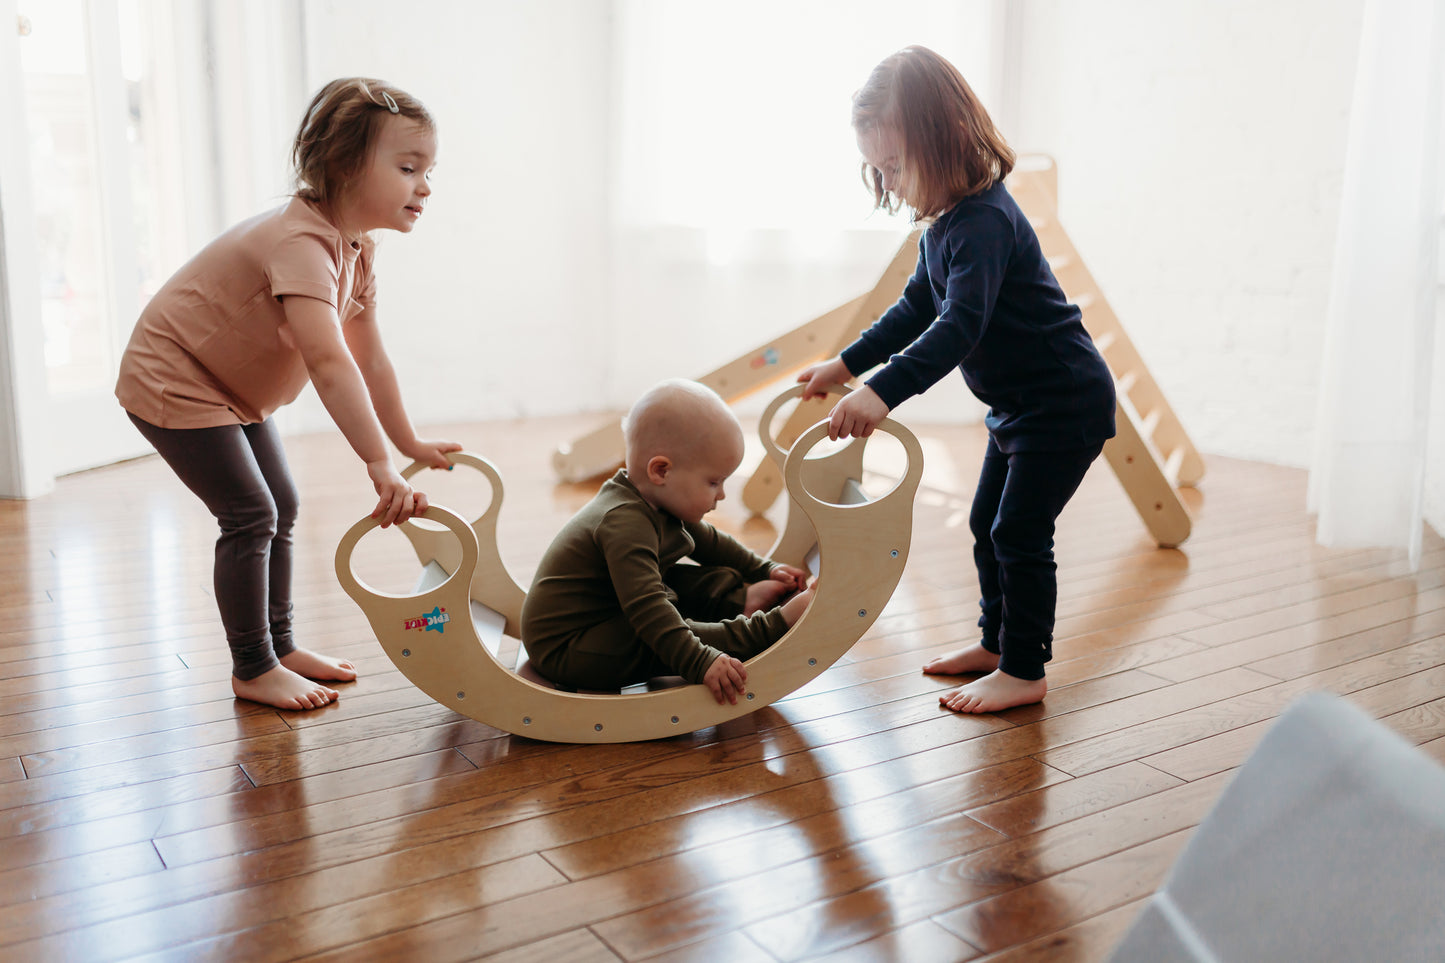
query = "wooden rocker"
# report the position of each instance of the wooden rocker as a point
(433, 637)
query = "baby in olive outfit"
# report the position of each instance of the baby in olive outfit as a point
(613, 603)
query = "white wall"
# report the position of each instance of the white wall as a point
(739, 213)
(494, 306)
(1200, 149)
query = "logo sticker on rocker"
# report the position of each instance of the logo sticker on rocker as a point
(434, 621)
(768, 357)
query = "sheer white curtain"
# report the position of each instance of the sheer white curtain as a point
(738, 209)
(1373, 430)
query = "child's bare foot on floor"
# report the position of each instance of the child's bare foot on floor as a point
(763, 595)
(314, 665)
(284, 689)
(994, 693)
(975, 658)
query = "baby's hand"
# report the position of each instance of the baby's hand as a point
(725, 677)
(791, 576)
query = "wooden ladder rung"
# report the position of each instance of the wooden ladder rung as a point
(1171, 465)
(1105, 341)
(1125, 382)
(1150, 422)
(1085, 301)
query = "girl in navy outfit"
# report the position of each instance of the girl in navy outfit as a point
(984, 301)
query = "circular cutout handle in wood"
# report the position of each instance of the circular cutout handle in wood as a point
(435, 513)
(765, 423)
(470, 460)
(793, 468)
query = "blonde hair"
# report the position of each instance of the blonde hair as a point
(339, 131)
(949, 145)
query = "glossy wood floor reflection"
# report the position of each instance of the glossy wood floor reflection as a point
(145, 813)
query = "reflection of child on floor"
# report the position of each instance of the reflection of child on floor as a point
(613, 603)
(982, 300)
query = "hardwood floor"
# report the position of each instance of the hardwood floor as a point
(146, 813)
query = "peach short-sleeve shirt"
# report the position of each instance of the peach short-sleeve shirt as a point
(212, 347)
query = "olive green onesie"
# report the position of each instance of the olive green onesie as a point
(613, 603)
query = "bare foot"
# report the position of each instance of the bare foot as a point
(794, 607)
(763, 595)
(284, 689)
(314, 665)
(994, 693)
(975, 658)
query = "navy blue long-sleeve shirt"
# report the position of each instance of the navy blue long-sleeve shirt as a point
(983, 300)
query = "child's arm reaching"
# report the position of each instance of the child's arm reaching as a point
(316, 329)
(363, 338)
(629, 551)
(897, 327)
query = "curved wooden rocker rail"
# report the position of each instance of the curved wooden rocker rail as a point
(862, 550)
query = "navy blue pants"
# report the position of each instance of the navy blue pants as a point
(240, 473)
(1019, 497)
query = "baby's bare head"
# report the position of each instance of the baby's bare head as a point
(683, 420)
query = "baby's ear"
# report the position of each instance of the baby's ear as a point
(658, 467)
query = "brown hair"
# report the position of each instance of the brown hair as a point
(339, 130)
(950, 146)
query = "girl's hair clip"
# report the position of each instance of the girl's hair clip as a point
(390, 103)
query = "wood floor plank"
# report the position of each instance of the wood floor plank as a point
(581, 946)
(1071, 798)
(1068, 898)
(279, 926)
(215, 798)
(925, 940)
(1371, 599)
(1146, 739)
(64, 875)
(1420, 723)
(11, 769)
(1410, 616)
(1093, 939)
(1320, 652)
(1229, 749)
(860, 797)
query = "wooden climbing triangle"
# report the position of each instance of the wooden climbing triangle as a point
(1151, 453)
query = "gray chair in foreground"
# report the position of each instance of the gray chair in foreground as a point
(1329, 844)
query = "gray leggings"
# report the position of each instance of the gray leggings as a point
(240, 473)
